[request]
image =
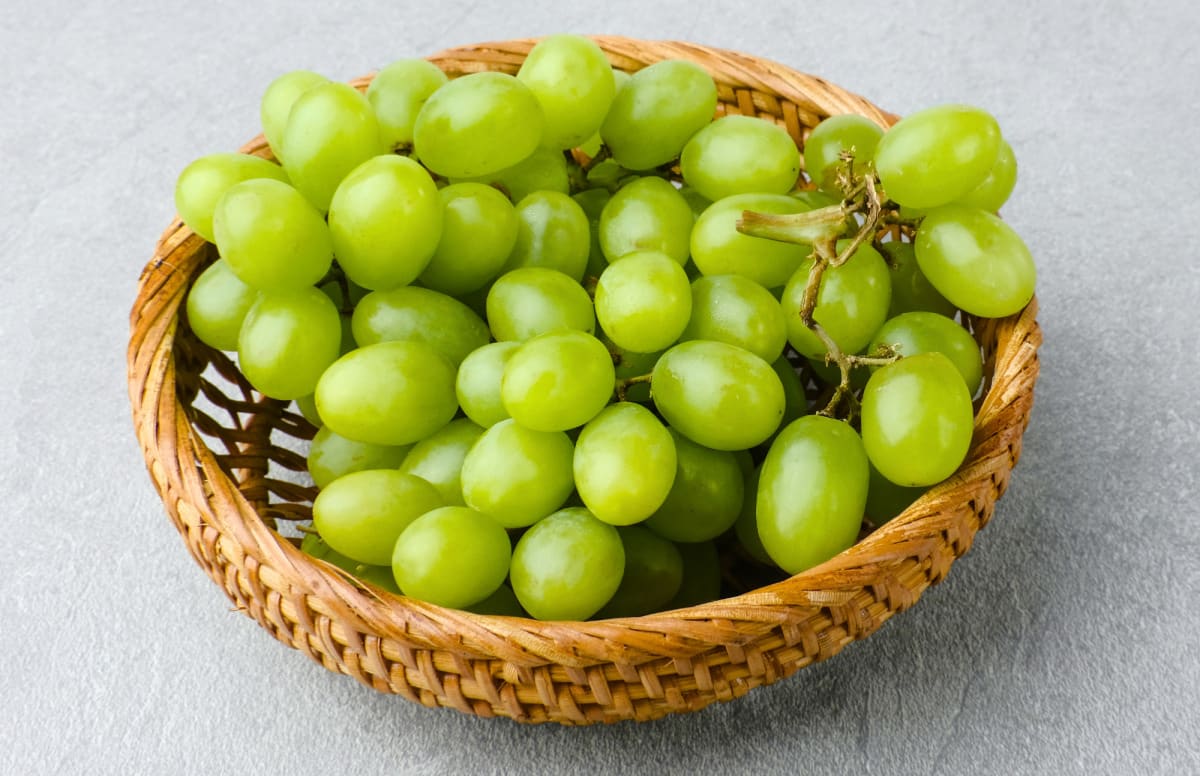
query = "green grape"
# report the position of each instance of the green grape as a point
(738, 311)
(643, 301)
(740, 155)
(530, 301)
(558, 381)
(574, 84)
(813, 199)
(997, 186)
(331, 130)
(657, 112)
(344, 299)
(646, 214)
(478, 124)
(331, 456)
(420, 315)
(277, 102)
(380, 576)
(517, 475)
(385, 219)
(811, 493)
(701, 575)
(911, 291)
(396, 94)
(696, 201)
(502, 603)
(307, 407)
(886, 499)
(390, 393)
(217, 304)
(829, 373)
(361, 514)
(912, 333)
(718, 395)
(746, 526)
(624, 464)
(976, 261)
(718, 248)
(478, 383)
(543, 170)
(438, 458)
(287, 340)
(591, 146)
(936, 155)
(917, 420)
(452, 556)
(552, 232)
(479, 230)
(832, 137)
(593, 202)
(706, 496)
(795, 401)
(270, 236)
(567, 566)
(202, 183)
(633, 364)
(852, 303)
(653, 574)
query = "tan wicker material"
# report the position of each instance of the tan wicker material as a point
(211, 445)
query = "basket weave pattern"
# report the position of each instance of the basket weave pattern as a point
(210, 442)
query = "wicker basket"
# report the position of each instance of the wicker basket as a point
(212, 446)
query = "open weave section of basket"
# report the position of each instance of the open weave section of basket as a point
(212, 446)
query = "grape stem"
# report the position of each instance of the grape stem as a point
(601, 156)
(624, 383)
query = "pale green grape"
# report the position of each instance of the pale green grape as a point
(419, 315)
(718, 248)
(643, 301)
(380, 576)
(331, 456)
(478, 124)
(912, 333)
(997, 186)
(696, 201)
(593, 202)
(657, 112)
(574, 84)
(567, 566)
(795, 401)
(852, 303)
(886, 499)
(287, 340)
(390, 393)
(530, 301)
(911, 291)
(738, 311)
(517, 475)
(271, 236)
(833, 136)
(558, 381)
(705, 497)
(307, 407)
(543, 170)
(477, 385)
(204, 181)
(653, 574)
(385, 219)
(701, 575)
(746, 526)
(624, 464)
(452, 556)
(646, 214)
(479, 230)
(740, 155)
(277, 102)
(397, 92)
(502, 603)
(632, 364)
(552, 232)
(438, 458)
(361, 514)
(217, 304)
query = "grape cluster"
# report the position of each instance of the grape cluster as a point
(563, 332)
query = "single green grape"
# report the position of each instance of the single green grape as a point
(718, 248)
(917, 420)
(701, 575)
(624, 464)
(478, 124)
(718, 395)
(746, 526)
(332, 455)
(452, 556)
(396, 94)
(530, 301)
(381, 576)
(271, 236)
(438, 458)
(696, 201)
(277, 102)
(543, 170)
(736, 310)
(593, 202)
(573, 83)
(795, 400)
(833, 137)
(502, 603)
(706, 496)
(912, 333)
(552, 232)
(740, 155)
(204, 181)
(331, 129)
(646, 214)
(632, 364)
(997, 186)
(517, 475)
(217, 304)
(811, 492)
(389, 393)
(567, 566)
(420, 315)
(657, 112)
(307, 407)
(643, 301)
(653, 574)
(479, 230)
(558, 381)
(976, 261)
(477, 385)
(852, 303)
(886, 499)
(361, 514)
(936, 155)
(287, 340)
(911, 290)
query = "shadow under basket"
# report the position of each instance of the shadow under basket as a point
(216, 449)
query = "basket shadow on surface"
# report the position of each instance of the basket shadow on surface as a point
(225, 503)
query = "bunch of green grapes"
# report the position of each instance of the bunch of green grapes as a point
(566, 337)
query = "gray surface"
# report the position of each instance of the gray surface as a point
(1064, 642)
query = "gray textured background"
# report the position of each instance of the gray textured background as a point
(1065, 642)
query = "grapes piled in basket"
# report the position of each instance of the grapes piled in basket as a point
(564, 334)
